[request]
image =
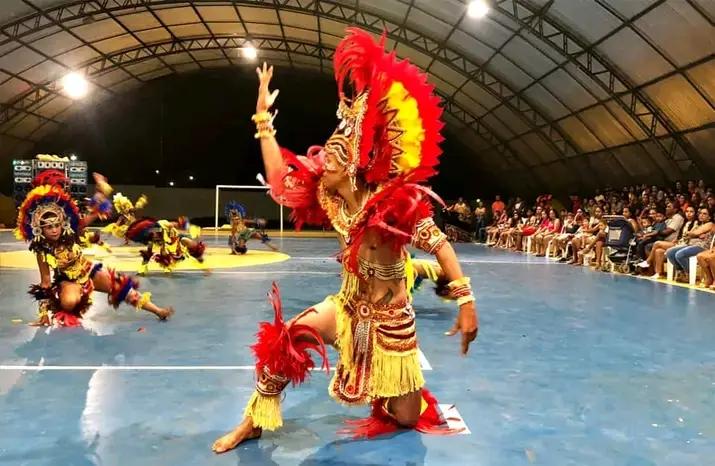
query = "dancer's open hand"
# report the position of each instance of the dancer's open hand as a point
(468, 323)
(266, 98)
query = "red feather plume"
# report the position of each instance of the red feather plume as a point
(382, 422)
(283, 348)
(393, 212)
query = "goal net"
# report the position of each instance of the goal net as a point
(255, 199)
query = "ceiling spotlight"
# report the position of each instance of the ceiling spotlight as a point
(249, 52)
(191, 177)
(478, 9)
(75, 85)
(156, 171)
(73, 157)
(171, 183)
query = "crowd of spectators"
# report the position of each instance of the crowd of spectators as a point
(667, 225)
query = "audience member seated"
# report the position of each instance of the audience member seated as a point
(706, 261)
(671, 223)
(494, 231)
(561, 241)
(504, 235)
(582, 243)
(524, 230)
(650, 232)
(697, 240)
(596, 244)
(548, 231)
(656, 258)
(628, 214)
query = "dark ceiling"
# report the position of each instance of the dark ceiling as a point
(539, 95)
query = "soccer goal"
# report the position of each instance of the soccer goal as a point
(255, 199)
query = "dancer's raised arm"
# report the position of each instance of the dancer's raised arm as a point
(272, 159)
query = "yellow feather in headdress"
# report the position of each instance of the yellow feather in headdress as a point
(411, 133)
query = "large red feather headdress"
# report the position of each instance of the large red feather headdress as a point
(390, 120)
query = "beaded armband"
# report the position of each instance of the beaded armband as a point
(428, 237)
(461, 290)
(264, 124)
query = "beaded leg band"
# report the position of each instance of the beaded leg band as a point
(282, 356)
(264, 407)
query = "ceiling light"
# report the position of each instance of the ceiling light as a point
(249, 52)
(75, 85)
(477, 9)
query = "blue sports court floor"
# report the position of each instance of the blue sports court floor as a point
(571, 367)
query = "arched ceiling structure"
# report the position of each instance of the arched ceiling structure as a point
(546, 94)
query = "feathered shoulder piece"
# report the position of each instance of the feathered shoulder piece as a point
(295, 186)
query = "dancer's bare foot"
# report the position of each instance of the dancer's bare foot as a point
(42, 321)
(165, 312)
(243, 432)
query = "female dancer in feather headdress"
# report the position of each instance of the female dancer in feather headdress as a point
(49, 219)
(366, 182)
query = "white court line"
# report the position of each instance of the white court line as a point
(526, 262)
(314, 258)
(461, 261)
(125, 368)
(256, 272)
(424, 364)
(454, 419)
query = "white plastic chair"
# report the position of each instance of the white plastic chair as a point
(526, 245)
(551, 242)
(692, 268)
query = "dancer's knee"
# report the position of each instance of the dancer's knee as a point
(406, 409)
(69, 299)
(407, 416)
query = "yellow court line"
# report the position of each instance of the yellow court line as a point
(681, 285)
(664, 281)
